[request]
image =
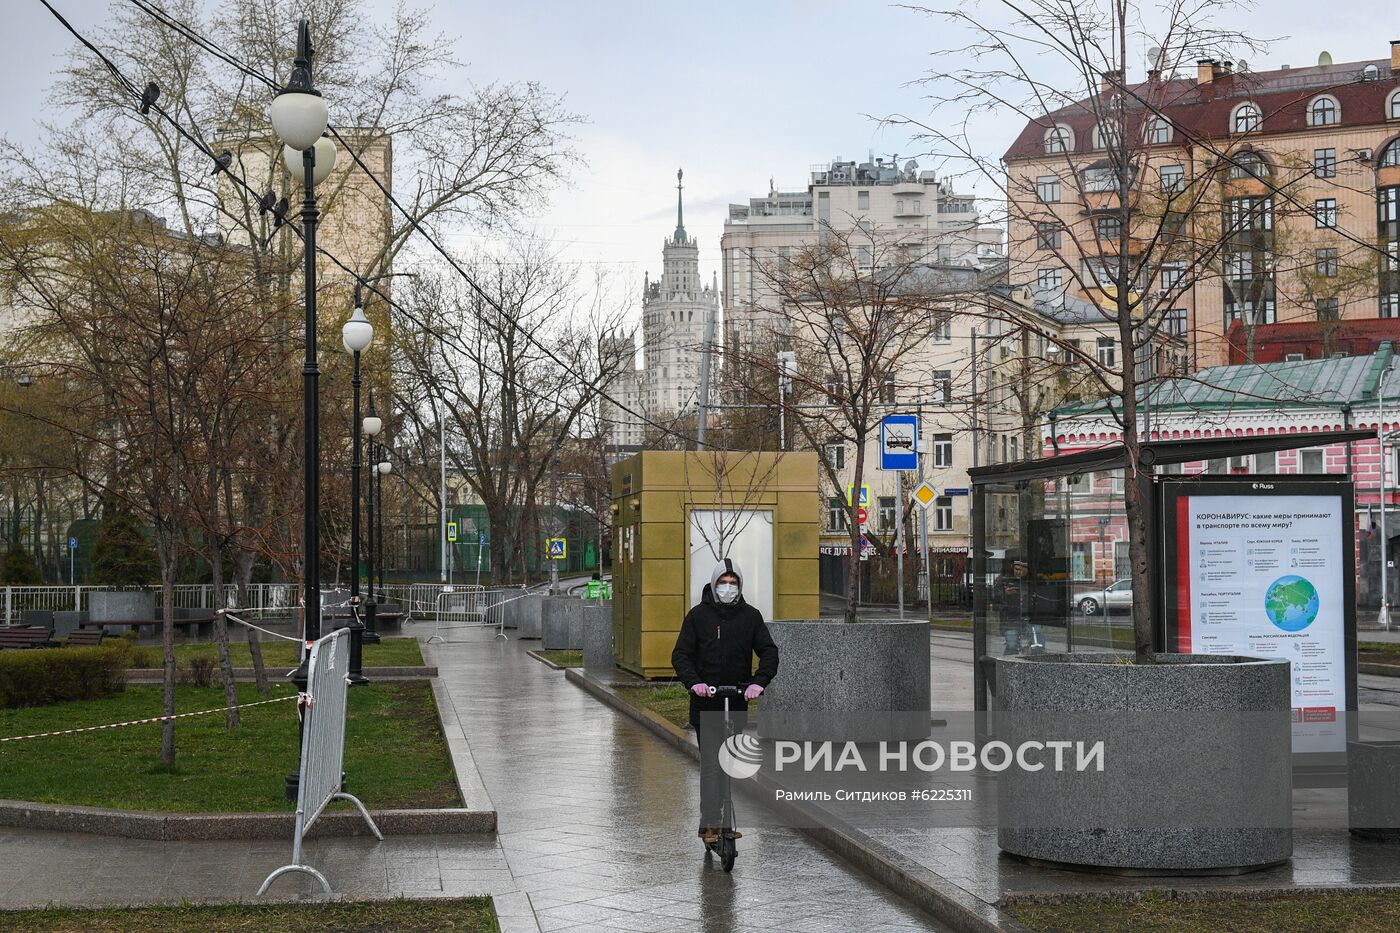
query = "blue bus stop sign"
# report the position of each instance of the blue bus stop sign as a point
(899, 442)
(72, 544)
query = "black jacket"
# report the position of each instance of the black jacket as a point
(716, 646)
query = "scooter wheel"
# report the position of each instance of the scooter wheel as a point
(727, 853)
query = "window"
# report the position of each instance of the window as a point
(1326, 261)
(1173, 178)
(943, 513)
(834, 395)
(1393, 111)
(1171, 275)
(888, 392)
(1100, 272)
(1310, 461)
(1324, 111)
(1047, 188)
(1048, 278)
(1251, 312)
(1246, 118)
(942, 386)
(886, 512)
(941, 326)
(1015, 448)
(1325, 163)
(862, 200)
(1390, 158)
(1327, 309)
(898, 206)
(1251, 214)
(1047, 236)
(942, 450)
(1266, 463)
(1248, 165)
(1105, 135)
(1159, 131)
(1325, 212)
(1059, 139)
(1099, 180)
(1390, 305)
(1371, 72)
(837, 515)
(836, 456)
(1108, 355)
(1109, 227)
(1294, 357)
(1174, 322)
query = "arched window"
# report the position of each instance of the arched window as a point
(1105, 135)
(1371, 72)
(1324, 111)
(1246, 118)
(1390, 155)
(1392, 109)
(1159, 130)
(1059, 138)
(1249, 165)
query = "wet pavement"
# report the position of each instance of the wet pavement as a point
(596, 832)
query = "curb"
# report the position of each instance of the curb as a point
(931, 892)
(169, 827)
(470, 786)
(546, 661)
(1378, 670)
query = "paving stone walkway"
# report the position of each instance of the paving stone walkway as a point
(596, 832)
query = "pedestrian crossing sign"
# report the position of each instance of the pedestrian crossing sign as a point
(557, 549)
(452, 532)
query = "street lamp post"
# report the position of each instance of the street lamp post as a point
(384, 467)
(356, 333)
(370, 426)
(1384, 618)
(299, 118)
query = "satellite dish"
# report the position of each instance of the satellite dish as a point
(1154, 55)
(911, 166)
(1324, 59)
(1243, 65)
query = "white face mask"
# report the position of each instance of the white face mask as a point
(726, 592)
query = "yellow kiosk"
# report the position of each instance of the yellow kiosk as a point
(675, 513)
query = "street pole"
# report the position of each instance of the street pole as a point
(442, 489)
(923, 528)
(372, 426)
(553, 520)
(899, 534)
(357, 628)
(1384, 619)
(382, 470)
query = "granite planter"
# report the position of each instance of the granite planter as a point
(1196, 775)
(529, 615)
(1373, 806)
(597, 640)
(560, 619)
(66, 623)
(122, 606)
(848, 681)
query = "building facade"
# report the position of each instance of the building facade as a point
(676, 310)
(1301, 221)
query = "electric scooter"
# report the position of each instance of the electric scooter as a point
(725, 846)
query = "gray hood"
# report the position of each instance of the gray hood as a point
(723, 567)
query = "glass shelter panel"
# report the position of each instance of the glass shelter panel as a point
(1052, 579)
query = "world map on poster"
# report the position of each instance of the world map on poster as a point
(1291, 602)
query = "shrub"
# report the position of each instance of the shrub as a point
(18, 568)
(201, 671)
(40, 676)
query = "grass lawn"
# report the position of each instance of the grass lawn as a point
(277, 653)
(671, 701)
(395, 754)
(465, 915)
(563, 657)
(1304, 913)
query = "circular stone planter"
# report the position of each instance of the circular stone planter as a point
(1196, 775)
(840, 681)
(121, 606)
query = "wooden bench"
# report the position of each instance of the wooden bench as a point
(203, 625)
(84, 638)
(24, 636)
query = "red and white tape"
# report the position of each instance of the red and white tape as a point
(300, 697)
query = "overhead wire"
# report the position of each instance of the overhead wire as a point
(131, 89)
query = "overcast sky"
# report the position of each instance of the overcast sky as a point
(735, 91)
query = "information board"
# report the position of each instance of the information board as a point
(1266, 568)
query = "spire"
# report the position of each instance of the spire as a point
(680, 217)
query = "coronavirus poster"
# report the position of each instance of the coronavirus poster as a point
(1266, 572)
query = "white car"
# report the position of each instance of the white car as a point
(1116, 597)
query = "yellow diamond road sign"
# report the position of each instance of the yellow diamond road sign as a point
(924, 494)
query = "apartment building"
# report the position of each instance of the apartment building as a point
(1256, 197)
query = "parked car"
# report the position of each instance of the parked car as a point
(1116, 597)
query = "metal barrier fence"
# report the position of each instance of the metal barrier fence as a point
(322, 747)
(473, 607)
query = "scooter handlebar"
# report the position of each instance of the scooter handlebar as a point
(726, 691)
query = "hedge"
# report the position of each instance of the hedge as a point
(40, 676)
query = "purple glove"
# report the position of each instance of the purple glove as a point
(753, 692)
(701, 690)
